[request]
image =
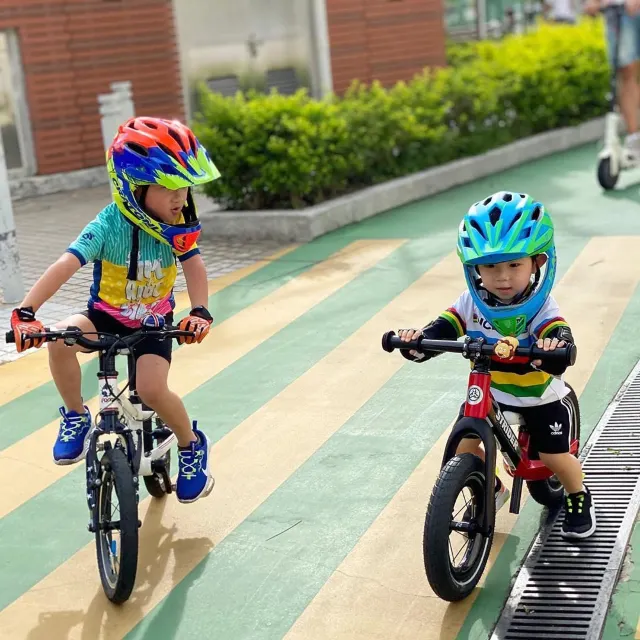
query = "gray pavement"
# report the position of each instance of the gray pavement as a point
(46, 226)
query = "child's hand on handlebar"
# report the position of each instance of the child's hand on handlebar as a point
(23, 322)
(548, 344)
(407, 335)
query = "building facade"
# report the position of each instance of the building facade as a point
(57, 56)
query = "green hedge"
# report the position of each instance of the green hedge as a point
(282, 152)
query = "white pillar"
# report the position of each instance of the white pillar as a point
(123, 89)
(11, 281)
(320, 33)
(110, 117)
(481, 9)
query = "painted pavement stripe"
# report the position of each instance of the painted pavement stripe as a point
(32, 371)
(396, 587)
(259, 581)
(227, 399)
(38, 407)
(30, 458)
(288, 431)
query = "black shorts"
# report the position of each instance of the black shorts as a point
(105, 323)
(549, 425)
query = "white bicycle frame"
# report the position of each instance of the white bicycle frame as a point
(133, 416)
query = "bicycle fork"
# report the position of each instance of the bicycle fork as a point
(93, 464)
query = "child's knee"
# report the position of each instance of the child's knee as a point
(150, 390)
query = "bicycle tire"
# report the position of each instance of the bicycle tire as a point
(550, 492)
(116, 474)
(465, 470)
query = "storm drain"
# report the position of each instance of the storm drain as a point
(563, 588)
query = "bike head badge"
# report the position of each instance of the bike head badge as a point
(508, 226)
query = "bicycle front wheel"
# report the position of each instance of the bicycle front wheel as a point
(455, 551)
(117, 533)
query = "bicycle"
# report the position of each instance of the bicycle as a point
(482, 418)
(123, 458)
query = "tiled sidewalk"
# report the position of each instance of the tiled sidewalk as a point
(45, 227)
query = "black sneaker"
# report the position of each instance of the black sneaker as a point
(579, 516)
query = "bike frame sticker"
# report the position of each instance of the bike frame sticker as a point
(106, 396)
(478, 395)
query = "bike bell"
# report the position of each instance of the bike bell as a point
(151, 320)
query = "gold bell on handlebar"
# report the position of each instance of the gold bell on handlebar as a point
(506, 347)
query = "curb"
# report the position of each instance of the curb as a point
(35, 186)
(306, 224)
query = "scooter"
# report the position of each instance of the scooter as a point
(613, 158)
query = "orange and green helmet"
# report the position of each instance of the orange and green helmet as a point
(148, 151)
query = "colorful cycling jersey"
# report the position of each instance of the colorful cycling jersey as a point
(108, 241)
(516, 382)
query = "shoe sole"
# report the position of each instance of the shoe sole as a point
(85, 448)
(586, 534)
(208, 488)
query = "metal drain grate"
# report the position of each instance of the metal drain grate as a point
(563, 589)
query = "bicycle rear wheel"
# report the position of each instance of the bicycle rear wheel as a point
(117, 556)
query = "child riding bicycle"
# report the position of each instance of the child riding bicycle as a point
(506, 244)
(134, 243)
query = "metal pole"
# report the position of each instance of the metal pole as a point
(11, 281)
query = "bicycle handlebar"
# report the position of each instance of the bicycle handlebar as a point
(73, 335)
(474, 348)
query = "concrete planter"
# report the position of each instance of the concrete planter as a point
(305, 224)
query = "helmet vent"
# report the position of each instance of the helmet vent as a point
(194, 146)
(515, 219)
(523, 196)
(151, 125)
(177, 138)
(168, 151)
(138, 149)
(494, 215)
(476, 226)
(535, 215)
(487, 201)
(507, 197)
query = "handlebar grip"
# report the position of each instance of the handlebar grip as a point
(10, 337)
(563, 355)
(390, 341)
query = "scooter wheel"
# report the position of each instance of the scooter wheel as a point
(606, 179)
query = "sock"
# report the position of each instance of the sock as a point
(189, 447)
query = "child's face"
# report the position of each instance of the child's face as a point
(165, 204)
(506, 280)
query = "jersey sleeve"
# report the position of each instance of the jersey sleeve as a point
(87, 247)
(183, 257)
(548, 322)
(449, 325)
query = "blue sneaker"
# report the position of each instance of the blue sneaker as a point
(73, 439)
(194, 477)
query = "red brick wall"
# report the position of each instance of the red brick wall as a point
(72, 50)
(386, 40)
